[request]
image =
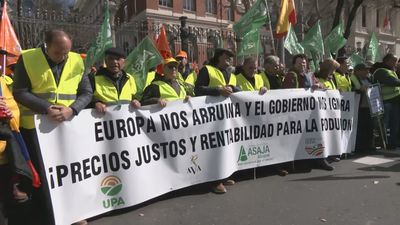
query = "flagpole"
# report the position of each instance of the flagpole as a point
(270, 30)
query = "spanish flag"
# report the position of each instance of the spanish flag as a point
(8, 39)
(286, 17)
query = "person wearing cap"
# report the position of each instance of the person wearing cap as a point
(360, 81)
(215, 79)
(341, 77)
(390, 92)
(49, 80)
(111, 84)
(165, 87)
(183, 67)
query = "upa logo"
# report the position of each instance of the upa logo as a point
(314, 146)
(195, 168)
(112, 186)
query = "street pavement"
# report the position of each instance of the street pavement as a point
(362, 190)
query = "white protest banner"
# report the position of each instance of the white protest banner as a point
(97, 163)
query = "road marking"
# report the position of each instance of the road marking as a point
(369, 160)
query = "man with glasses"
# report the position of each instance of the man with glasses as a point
(49, 80)
(165, 87)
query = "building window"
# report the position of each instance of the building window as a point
(167, 3)
(229, 14)
(189, 5)
(364, 16)
(377, 17)
(211, 6)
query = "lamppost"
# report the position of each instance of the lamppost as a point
(184, 34)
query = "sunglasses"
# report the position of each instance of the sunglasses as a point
(172, 66)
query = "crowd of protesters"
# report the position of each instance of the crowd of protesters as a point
(50, 80)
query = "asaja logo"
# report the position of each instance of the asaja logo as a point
(112, 186)
(253, 153)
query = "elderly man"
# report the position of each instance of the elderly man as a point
(273, 73)
(49, 80)
(112, 85)
(165, 87)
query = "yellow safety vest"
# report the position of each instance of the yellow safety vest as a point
(389, 92)
(12, 105)
(356, 82)
(217, 78)
(245, 85)
(151, 75)
(44, 85)
(107, 93)
(265, 80)
(191, 78)
(328, 83)
(168, 93)
(343, 83)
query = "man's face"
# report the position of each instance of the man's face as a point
(170, 70)
(224, 61)
(362, 73)
(182, 62)
(114, 63)
(301, 65)
(250, 68)
(273, 67)
(59, 48)
(344, 67)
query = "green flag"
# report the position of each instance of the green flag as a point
(355, 59)
(250, 45)
(291, 44)
(102, 43)
(140, 60)
(373, 49)
(335, 40)
(313, 41)
(253, 19)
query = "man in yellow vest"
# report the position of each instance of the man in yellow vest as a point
(248, 79)
(325, 73)
(49, 80)
(341, 77)
(390, 92)
(216, 79)
(112, 85)
(165, 87)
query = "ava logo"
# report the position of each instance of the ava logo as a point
(315, 150)
(195, 168)
(112, 186)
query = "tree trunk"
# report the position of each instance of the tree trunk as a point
(338, 13)
(352, 15)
